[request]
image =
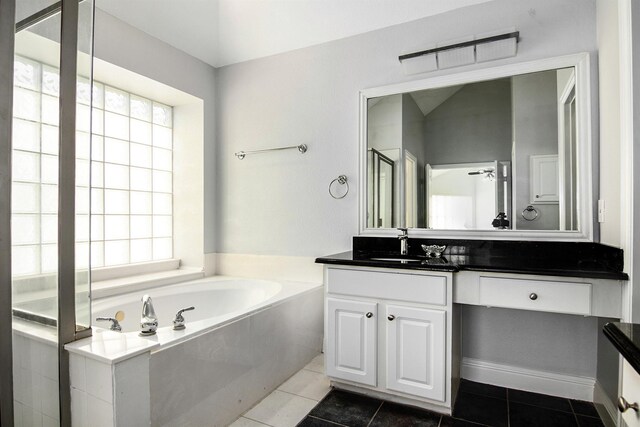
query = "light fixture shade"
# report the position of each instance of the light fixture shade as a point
(456, 57)
(420, 64)
(496, 50)
(465, 51)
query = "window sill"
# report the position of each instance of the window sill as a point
(121, 285)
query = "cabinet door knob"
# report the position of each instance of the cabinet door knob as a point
(369, 315)
(533, 296)
(623, 405)
(391, 317)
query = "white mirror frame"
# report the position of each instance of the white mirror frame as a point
(586, 185)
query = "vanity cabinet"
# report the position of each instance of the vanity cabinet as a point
(552, 294)
(416, 351)
(391, 332)
(352, 347)
(630, 394)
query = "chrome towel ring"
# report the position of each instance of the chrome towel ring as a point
(530, 213)
(342, 180)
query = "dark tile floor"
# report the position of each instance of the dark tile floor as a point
(477, 405)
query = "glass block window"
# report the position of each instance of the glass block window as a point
(124, 165)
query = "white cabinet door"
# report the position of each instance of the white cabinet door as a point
(416, 350)
(352, 344)
(631, 393)
(544, 179)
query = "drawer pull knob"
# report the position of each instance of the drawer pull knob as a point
(533, 296)
(391, 317)
(369, 315)
(623, 405)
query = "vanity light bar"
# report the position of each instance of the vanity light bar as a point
(506, 36)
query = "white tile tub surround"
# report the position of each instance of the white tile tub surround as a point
(214, 378)
(105, 394)
(35, 375)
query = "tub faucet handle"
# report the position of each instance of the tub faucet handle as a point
(178, 322)
(115, 325)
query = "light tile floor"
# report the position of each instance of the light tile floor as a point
(292, 401)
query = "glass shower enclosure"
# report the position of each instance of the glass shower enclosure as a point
(44, 192)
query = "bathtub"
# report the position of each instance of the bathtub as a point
(216, 299)
(244, 338)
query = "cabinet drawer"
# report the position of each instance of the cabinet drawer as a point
(538, 295)
(394, 286)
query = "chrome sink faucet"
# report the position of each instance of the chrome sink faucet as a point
(404, 240)
(149, 320)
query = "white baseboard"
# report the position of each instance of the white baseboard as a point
(606, 408)
(294, 268)
(551, 383)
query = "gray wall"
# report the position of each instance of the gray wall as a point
(558, 343)
(384, 129)
(278, 204)
(123, 45)
(474, 125)
(535, 131)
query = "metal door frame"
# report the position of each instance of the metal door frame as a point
(7, 39)
(66, 322)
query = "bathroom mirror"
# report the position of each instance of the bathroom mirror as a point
(503, 150)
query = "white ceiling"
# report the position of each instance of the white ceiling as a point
(223, 32)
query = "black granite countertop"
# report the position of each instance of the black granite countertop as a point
(569, 259)
(626, 338)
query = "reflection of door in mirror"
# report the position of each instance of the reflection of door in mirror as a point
(381, 190)
(537, 155)
(567, 165)
(463, 196)
(410, 189)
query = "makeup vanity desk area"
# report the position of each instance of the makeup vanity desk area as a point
(392, 323)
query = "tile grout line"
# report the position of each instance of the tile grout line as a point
(297, 395)
(575, 416)
(376, 413)
(545, 407)
(249, 418)
(323, 419)
(508, 414)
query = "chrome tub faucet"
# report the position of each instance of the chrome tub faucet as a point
(149, 320)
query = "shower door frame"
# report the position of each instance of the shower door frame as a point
(7, 40)
(66, 320)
